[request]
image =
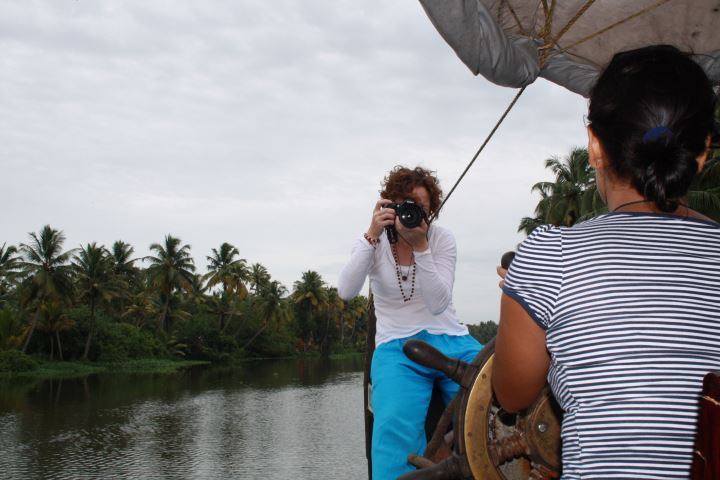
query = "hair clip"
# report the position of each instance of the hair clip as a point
(655, 133)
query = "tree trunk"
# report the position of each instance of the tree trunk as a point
(223, 298)
(324, 346)
(163, 320)
(52, 348)
(352, 331)
(60, 354)
(32, 329)
(90, 333)
(342, 332)
(256, 335)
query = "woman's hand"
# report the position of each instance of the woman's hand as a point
(501, 272)
(416, 237)
(381, 218)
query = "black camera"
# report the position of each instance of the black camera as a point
(411, 215)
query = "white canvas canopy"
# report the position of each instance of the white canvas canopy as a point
(512, 42)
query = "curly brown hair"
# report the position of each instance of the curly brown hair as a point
(401, 181)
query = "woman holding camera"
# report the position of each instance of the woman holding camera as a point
(621, 313)
(411, 281)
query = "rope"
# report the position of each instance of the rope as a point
(547, 26)
(512, 12)
(572, 21)
(482, 147)
(620, 22)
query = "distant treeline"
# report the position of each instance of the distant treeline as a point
(104, 304)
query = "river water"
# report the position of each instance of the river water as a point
(289, 419)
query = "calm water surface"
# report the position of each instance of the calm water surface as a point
(272, 419)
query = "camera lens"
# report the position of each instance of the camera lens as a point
(411, 214)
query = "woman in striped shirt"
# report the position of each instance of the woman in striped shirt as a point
(621, 313)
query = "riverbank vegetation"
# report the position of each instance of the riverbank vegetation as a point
(108, 307)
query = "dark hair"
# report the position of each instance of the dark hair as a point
(401, 181)
(652, 110)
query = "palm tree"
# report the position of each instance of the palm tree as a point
(54, 320)
(230, 272)
(570, 198)
(528, 224)
(334, 307)
(123, 266)
(122, 263)
(272, 306)
(46, 271)
(96, 282)
(170, 270)
(141, 308)
(9, 264)
(310, 296)
(259, 277)
(355, 309)
(704, 195)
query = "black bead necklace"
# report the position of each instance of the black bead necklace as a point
(401, 278)
(627, 204)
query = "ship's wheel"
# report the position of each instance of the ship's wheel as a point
(486, 442)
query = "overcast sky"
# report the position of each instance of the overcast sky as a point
(268, 125)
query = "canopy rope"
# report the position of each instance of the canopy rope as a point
(482, 147)
(611, 26)
(514, 15)
(547, 26)
(572, 21)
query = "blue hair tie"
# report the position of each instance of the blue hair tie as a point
(655, 133)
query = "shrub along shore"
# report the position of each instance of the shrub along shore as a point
(16, 364)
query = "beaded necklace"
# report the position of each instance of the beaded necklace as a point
(401, 278)
(627, 204)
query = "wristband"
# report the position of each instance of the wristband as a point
(372, 241)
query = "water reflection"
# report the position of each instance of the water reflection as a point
(271, 419)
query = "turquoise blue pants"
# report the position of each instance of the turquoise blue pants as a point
(401, 391)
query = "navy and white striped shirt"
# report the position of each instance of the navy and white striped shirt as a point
(630, 303)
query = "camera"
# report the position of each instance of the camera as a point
(410, 214)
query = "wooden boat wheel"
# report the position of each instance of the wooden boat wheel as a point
(487, 443)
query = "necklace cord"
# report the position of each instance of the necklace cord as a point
(635, 202)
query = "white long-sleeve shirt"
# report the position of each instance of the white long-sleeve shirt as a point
(431, 306)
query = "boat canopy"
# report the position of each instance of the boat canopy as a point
(568, 42)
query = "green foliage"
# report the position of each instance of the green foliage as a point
(12, 329)
(572, 197)
(273, 343)
(118, 342)
(47, 274)
(9, 269)
(45, 268)
(484, 331)
(103, 308)
(310, 297)
(227, 270)
(202, 341)
(704, 195)
(14, 361)
(171, 270)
